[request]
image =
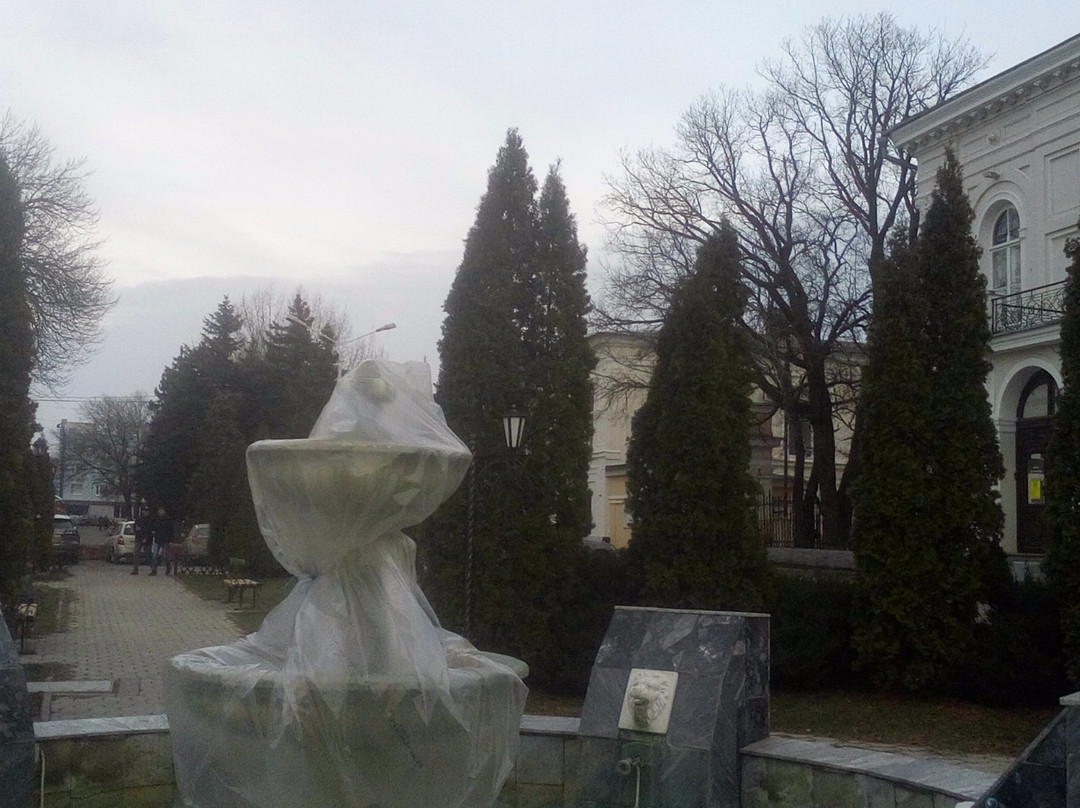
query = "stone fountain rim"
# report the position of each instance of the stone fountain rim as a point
(345, 443)
(203, 667)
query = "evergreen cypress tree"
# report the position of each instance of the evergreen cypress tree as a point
(897, 558)
(560, 360)
(696, 542)
(964, 456)
(482, 376)
(549, 629)
(16, 409)
(927, 522)
(514, 338)
(1063, 474)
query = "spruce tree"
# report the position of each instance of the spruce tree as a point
(1063, 473)
(928, 523)
(219, 492)
(170, 455)
(16, 410)
(696, 542)
(300, 373)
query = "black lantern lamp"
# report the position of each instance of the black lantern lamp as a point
(513, 428)
(41, 447)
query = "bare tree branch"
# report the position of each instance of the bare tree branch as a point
(805, 173)
(108, 440)
(67, 288)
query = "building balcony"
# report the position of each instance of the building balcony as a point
(1032, 308)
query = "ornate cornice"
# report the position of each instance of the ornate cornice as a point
(1050, 69)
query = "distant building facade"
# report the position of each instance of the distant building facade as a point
(80, 491)
(624, 364)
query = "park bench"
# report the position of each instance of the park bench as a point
(25, 614)
(237, 585)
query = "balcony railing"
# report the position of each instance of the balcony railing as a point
(1031, 308)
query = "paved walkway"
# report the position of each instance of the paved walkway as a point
(121, 630)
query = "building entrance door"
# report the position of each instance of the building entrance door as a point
(1032, 436)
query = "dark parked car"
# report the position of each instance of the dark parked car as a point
(65, 539)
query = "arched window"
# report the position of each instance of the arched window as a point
(1038, 398)
(1005, 252)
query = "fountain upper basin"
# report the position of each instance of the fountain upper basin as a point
(319, 500)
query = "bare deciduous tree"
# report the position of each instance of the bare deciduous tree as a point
(108, 441)
(67, 288)
(266, 306)
(805, 173)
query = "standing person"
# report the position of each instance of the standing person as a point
(163, 534)
(172, 553)
(143, 537)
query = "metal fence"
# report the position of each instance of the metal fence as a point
(776, 518)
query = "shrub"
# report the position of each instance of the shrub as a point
(811, 630)
(1018, 654)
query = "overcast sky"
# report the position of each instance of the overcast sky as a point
(343, 146)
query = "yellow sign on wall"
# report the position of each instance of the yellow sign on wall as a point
(1035, 496)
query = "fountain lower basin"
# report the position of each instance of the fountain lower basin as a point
(343, 741)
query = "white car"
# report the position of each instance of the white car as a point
(123, 544)
(196, 542)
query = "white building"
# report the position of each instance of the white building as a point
(624, 364)
(1017, 137)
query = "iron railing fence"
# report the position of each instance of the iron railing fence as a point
(1031, 308)
(776, 518)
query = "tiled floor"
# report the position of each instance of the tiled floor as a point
(122, 628)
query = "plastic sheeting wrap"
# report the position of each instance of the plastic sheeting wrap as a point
(350, 693)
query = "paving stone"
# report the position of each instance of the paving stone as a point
(123, 628)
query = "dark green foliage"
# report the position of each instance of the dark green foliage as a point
(560, 396)
(16, 411)
(43, 504)
(927, 523)
(219, 489)
(482, 370)
(1017, 656)
(298, 374)
(810, 628)
(1063, 473)
(696, 542)
(188, 387)
(216, 399)
(966, 461)
(514, 338)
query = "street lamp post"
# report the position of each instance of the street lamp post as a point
(337, 346)
(513, 431)
(62, 426)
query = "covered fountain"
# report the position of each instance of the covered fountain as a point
(350, 693)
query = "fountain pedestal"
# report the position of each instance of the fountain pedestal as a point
(350, 693)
